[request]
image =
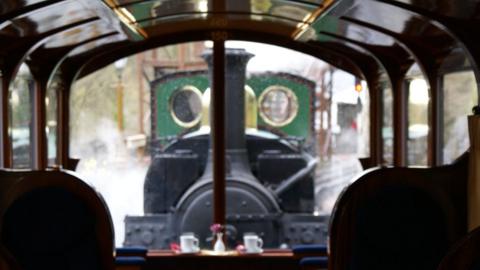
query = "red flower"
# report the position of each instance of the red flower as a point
(241, 249)
(216, 228)
(174, 247)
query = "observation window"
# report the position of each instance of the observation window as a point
(459, 97)
(152, 12)
(418, 115)
(149, 153)
(21, 117)
(52, 116)
(387, 122)
(45, 20)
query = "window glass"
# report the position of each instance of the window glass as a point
(345, 123)
(20, 116)
(107, 140)
(459, 97)
(47, 19)
(151, 12)
(387, 127)
(117, 124)
(52, 114)
(147, 150)
(363, 122)
(328, 124)
(418, 113)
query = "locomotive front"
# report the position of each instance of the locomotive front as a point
(265, 175)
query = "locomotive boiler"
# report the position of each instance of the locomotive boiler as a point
(269, 177)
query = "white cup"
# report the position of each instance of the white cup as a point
(252, 243)
(189, 243)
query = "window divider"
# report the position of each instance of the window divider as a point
(218, 130)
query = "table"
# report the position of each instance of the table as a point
(268, 260)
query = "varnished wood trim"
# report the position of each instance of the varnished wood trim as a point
(435, 122)
(5, 141)
(376, 114)
(218, 130)
(63, 116)
(400, 119)
(27, 9)
(39, 138)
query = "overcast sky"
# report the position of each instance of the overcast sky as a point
(274, 58)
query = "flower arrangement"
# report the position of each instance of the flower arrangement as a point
(216, 228)
(240, 249)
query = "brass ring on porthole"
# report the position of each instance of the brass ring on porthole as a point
(177, 120)
(292, 99)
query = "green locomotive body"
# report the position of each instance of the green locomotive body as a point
(273, 92)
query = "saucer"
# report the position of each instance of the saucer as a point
(219, 253)
(253, 251)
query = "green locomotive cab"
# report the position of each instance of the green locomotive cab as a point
(279, 103)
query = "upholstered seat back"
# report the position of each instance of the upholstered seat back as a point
(6, 260)
(399, 218)
(399, 227)
(50, 228)
(464, 255)
(57, 225)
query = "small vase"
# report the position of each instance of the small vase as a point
(219, 245)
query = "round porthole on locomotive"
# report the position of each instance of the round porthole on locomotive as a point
(278, 105)
(185, 106)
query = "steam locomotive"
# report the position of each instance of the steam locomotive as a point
(270, 159)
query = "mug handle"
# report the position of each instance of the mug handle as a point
(260, 243)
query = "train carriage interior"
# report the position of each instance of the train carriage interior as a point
(233, 134)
